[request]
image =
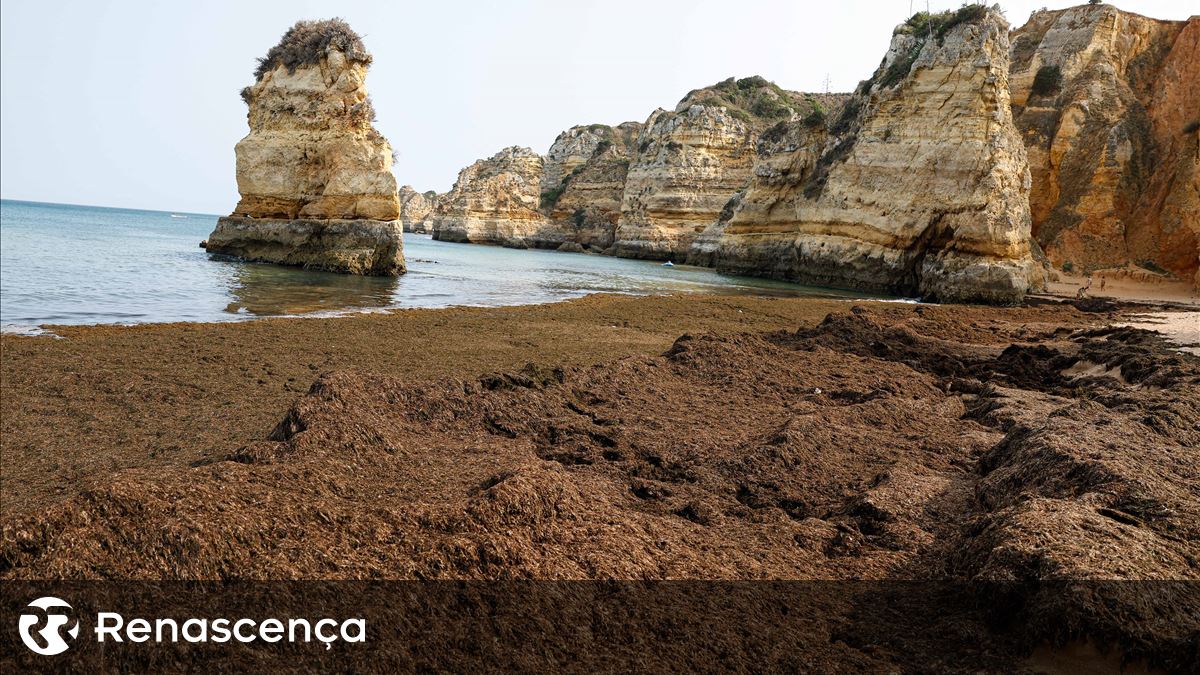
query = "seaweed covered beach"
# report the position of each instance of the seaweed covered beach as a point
(632, 439)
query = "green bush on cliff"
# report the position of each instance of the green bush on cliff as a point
(900, 67)
(849, 117)
(1048, 80)
(754, 82)
(746, 99)
(770, 108)
(922, 26)
(550, 197)
(925, 24)
(815, 116)
(305, 44)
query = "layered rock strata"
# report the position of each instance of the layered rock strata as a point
(918, 188)
(495, 201)
(584, 182)
(918, 184)
(314, 175)
(1108, 103)
(416, 209)
(692, 159)
(571, 198)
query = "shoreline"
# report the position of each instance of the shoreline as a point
(1166, 295)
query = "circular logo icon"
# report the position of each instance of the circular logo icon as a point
(44, 626)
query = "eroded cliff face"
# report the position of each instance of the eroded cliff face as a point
(584, 182)
(1104, 100)
(495, 201)
(570, 198)
(416, 209)
(919, 184)
(690, 161)
(314, 175)
(917, 188)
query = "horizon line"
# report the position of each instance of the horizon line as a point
(111, 208)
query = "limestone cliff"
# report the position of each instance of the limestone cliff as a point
(1107, 103)
(495, 201)
(584, 182)
(520, 199)
(918, 187)
(416, 208)
(314, 176)
(691, 160)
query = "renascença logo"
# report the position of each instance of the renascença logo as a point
(54, 616)
(44, 628)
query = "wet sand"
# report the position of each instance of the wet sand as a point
(1180, 328)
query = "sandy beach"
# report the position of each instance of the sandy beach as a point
(1117, 285)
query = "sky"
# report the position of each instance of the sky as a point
(135, 104)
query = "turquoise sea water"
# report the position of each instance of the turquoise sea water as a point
(63, 264)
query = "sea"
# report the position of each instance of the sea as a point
(68, 265)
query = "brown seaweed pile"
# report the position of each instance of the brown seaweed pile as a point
(875, 446)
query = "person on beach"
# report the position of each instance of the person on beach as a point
(1082, 292)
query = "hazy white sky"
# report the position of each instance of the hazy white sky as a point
(136, 103)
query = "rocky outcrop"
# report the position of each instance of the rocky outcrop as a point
(915, 185)
(584, 182)
(569, 199)
(918, 187)
(314, 176)
(495, 201)
(1107, 103)
(692, 159)
(416, 209)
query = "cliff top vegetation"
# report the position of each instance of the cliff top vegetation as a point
(749, 98)
(925, 24)
(305, 44)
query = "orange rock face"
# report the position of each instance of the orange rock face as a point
(1105, 101)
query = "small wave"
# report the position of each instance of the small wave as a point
(28, 331)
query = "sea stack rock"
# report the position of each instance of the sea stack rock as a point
(918, 187)
(314, 175)
(1108, 103)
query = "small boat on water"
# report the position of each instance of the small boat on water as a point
(668, 264)
(176, 215)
